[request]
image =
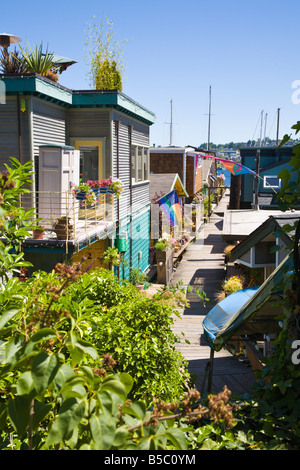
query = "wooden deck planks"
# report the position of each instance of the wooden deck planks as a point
(203, 266)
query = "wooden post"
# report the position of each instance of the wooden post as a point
(210, 373)
(235, 192)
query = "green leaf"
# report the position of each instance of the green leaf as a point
(44, 369)
(76, 355)
(103, 431)
(64, 373)
(177, 437)
(126, 380)
(85, 347)
(136, 409)
(19, 412)
(114, 386)
(8, 315)
(120, 437)
(106, 402)
(40, 412)
(25, 384)
(43, 335)
(209, 444)
(70, 415)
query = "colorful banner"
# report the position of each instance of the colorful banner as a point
(171, 208)
(234, 167)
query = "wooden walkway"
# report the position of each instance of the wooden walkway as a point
(202, 266)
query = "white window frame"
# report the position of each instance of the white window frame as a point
(145, 152)
(267, 185)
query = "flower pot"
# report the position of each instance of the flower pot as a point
(38, 234)
(80, 195)
(105, 191)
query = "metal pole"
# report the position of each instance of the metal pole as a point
(256, 179)
(277, 135)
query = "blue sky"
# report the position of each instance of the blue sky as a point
(246, 50)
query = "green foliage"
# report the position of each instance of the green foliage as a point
(137, 277)
(11, 63)
(15, 222)
(135, 330)
(104, 56)
(111, 256)
(160, 246)
(35, 60)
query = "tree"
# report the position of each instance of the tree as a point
(104, 56)
(14, 220)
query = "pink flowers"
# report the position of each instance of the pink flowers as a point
(114, 185)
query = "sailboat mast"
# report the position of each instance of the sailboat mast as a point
(171, 124)
(266, 116)
(209, 114)
(261, 124)
(277, 136)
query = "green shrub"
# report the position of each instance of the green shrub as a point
(135, 330)
(160, 246)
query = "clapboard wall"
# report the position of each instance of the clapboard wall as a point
(14, 140)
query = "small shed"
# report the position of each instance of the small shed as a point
(161, 185)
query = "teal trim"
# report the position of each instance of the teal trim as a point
(65, 147)
(51, 91)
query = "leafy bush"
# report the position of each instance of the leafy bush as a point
(135, 330)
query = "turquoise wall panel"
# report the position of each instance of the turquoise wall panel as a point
(140, 244)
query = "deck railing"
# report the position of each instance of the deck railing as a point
(63, 217)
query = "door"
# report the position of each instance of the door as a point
(91, 159)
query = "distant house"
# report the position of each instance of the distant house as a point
(271, 161)
(160, 186)
(102, 134)
(186, 162)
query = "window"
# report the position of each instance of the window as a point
(139, 163)
(272, 181)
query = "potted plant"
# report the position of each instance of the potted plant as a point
(233, 284)
(137, 278)
(38, 233)
(112, 185)
(63, 228)
(160, 246)
(111, 257)
(84, 193)
(94, 186)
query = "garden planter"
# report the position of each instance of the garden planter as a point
(63, 228)
(38, 234)
(164, 261)
(140, 287)
(80, 195)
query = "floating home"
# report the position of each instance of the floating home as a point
(71, 135)
(267, 162)
(193, 170)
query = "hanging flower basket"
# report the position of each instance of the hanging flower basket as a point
(105, 191)
(86, 191)
(80, 195)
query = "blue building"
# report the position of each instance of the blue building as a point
(271, 161)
